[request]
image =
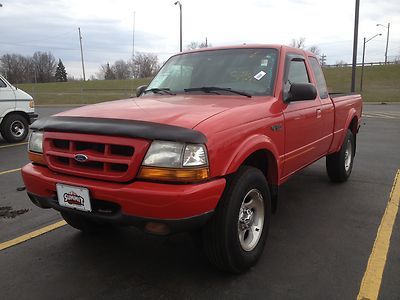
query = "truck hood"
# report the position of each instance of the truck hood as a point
(181, 110)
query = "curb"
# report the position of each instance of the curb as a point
(381, 103)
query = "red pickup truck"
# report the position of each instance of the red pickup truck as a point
(204, 148)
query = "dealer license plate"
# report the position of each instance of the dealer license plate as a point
(73, 197)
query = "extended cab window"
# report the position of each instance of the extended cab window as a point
(247, 70)
(319, 77)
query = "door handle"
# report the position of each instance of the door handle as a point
(319, 113)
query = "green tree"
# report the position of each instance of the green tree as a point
(61, 74)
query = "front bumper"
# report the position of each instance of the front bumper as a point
(172, 225)
(138, 199)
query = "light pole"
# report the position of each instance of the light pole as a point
(387, 39)
(362, 65)
(355, 40)
(180, 12)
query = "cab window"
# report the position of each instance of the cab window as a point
(319, 77)
(2, 84)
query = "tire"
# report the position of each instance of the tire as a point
(244, 207)
(14, 128)
(84, 224)
(340, 164)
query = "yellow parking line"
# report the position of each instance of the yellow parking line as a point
(13, 145)
(31, 235)
(372, 279)
(9, 171)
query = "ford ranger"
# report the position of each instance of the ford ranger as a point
(204, 148)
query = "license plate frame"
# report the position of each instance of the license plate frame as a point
(74, 197)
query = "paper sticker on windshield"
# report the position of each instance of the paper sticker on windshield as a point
(264, 63)
(259, 75)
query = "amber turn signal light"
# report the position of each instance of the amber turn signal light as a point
(37, 158)
(177, 175)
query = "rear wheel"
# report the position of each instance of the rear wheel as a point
(84, 224)
(234, 238)
(14, 128)
(340, 164)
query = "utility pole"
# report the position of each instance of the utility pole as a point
(355, 39)
(323, 59)
(387, 40)
(387, 44)
(180, 24)
(83, 65)
(206, 42)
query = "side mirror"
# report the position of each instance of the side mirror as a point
(140, 90)
(301, 91)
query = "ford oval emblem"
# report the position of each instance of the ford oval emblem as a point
(81, 157)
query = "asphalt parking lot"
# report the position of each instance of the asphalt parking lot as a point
(318, 248)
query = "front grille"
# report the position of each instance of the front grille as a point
(108, 158)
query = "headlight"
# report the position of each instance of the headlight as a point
(164, 154)
(175, 155)
(172, 161)
(36, 142)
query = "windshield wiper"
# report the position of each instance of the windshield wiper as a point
(209, 89)
(160, 91)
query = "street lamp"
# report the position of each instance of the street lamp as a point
(180, 12)
(355, 40)
(387, 39)
(362, 65)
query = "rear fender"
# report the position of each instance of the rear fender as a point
(339, 140)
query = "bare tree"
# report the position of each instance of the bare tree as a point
(315, 49)
(341, 63)
(106, 72)
(17, 68)
(397, 58)
(197, 45)
(144, 65)
(301, 44)
(44, 65)
(121, 69)
(298, 43)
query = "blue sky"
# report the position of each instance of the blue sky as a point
(107, 27)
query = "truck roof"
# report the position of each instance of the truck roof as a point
(244, 46)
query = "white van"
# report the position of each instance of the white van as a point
(17, 112)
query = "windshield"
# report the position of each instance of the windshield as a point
(251, 71)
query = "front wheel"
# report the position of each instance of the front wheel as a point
(340, 164)
(14, 128)
(234, 238)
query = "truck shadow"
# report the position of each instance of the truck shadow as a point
(301, 248)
